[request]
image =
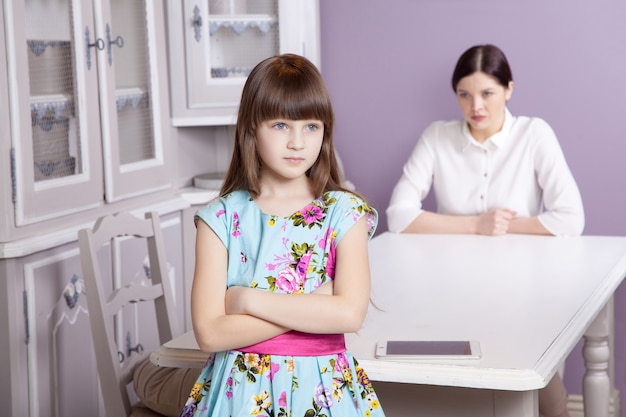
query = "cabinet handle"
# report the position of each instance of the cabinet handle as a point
(98, 44)
(129, 349)
(197, 23)
(119, 42)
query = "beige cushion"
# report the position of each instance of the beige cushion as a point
(138, 411)
(164, 390)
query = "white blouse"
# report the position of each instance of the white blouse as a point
(521, 168)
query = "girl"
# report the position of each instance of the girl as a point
(282, 267)
(493, 173)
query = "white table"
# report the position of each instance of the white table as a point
(180, 352)
(527, 299)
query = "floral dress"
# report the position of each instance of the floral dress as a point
(294, 254)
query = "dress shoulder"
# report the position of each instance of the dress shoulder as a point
(228, 201)
(346, 208)
(217, 214)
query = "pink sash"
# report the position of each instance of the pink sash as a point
(295, 343)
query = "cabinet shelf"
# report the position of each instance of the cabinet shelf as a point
(48, 110)
(134, 97)
(38, 47)
(231, 72)
(241, 23)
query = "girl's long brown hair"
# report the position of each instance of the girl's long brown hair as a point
(287, 86)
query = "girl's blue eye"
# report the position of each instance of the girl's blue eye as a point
(280, 125)
(312, 127)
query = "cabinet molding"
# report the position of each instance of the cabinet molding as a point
(57, 237)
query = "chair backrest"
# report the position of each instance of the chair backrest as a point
(105, 302)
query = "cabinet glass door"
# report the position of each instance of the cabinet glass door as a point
(226, 40)
(132, 101)
(223, 40)
(240, 34)
(53, 96)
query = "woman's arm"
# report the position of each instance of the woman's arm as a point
(528, 226)
(405, 204)
(430, 222)
(564, 214)
(214, 329)
(341, 312)
(493, 223)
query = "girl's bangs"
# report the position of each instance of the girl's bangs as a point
(293, 105)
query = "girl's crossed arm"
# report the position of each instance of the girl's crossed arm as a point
(214, 329)
(341, 312)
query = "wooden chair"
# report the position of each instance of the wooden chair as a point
(105, 303)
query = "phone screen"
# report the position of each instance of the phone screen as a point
(427, 347)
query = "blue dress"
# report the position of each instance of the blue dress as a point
(294, 254)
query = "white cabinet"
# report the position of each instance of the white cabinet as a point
(214, 44)
(87, 100)
(47, 361)
(60, 359)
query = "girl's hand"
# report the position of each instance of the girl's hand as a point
(495, 223)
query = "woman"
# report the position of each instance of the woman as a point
(492, 173)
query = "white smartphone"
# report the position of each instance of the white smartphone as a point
(428, 350)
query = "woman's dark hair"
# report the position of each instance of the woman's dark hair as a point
(483, 58)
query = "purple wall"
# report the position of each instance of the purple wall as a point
(388, 66)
